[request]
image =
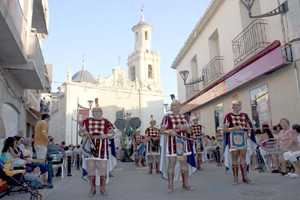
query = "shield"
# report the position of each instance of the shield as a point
(135, 123)
(120, 124)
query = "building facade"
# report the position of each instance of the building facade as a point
(230, 56)
(136, 91)
(23, 72)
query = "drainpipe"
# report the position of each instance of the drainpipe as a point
(296, 69)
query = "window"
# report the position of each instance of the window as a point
(214, 47)
(132, 73)
(260, 106)
(150, 72)
(146, 35)
(194, 68)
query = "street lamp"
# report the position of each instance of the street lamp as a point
(185, 74)
(282, 8)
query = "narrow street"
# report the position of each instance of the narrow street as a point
(129, 183)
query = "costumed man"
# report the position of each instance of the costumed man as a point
(238, 126)
(176, 127)
(153, 146)
(98, 130)
(139, 147)
(197, 136)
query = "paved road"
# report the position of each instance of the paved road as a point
(210, 184)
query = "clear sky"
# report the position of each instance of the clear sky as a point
(101, 30)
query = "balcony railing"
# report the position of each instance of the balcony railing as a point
(251, 39)
(213, 70)
(35, 55)
(192, 88)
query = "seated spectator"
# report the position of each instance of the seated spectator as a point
(31, 164)
(296, 127)
(13, 166)
(216, 151)
(288, 142)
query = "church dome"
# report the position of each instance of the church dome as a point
(83, 76)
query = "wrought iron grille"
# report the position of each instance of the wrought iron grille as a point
(192, 89)
(213, 70)
(251, 39)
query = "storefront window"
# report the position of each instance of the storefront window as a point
(260, 106)
(219, 116)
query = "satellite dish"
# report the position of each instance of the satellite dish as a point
(135, 122)
(120, 124)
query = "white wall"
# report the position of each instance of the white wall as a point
(228, 21)
(111, 100)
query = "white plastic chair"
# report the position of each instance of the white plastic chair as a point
(58, 162)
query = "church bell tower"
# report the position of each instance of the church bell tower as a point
(143, 63)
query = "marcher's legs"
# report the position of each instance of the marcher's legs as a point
(184, 174)
(156, 161)
(235, 167)
(91, 166)
(171, 173)
(243, 165)
(150, 162)
(199, 160)
(102, 169)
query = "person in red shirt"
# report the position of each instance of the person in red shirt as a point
(239, 126)
(153, 146)
(98, 130)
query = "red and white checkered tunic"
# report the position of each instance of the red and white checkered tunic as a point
(152, 146)
(197, 136)
(196, 131)
(96, 128)
(170, 122)
(233, 120)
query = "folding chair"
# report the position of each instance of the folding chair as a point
(271, 147)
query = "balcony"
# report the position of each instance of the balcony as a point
(13, 33)
(33, 74)
(40, 16)
(252, 39)
(213, 70)
(192, 88)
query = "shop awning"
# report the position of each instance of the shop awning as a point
(267, 60)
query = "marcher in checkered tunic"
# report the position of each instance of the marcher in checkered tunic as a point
(197, 136)
(153, 146)
(176, 126)
(98, 130)
(238, 121)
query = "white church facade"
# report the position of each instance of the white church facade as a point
(136, 91)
